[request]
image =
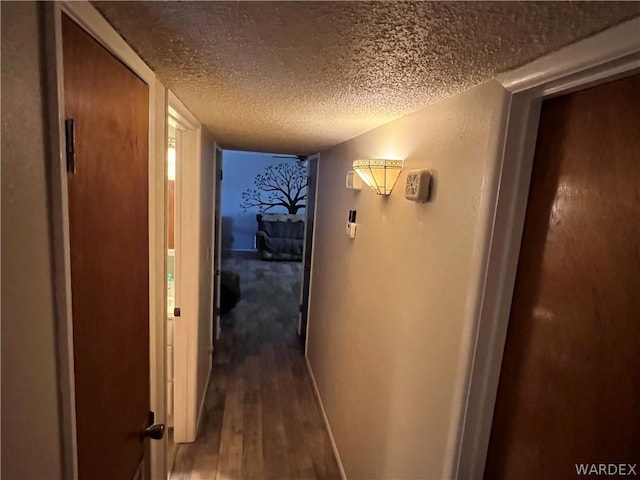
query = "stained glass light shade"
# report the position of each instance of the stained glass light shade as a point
(379, 174)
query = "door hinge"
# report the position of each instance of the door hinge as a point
(220, 175)
(301, 309)
(70, 144)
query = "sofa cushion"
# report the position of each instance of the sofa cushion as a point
(282, 229)
(275, 245)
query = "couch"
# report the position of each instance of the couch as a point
(280, 236)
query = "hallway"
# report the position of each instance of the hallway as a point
(408, 320)
(260, 420)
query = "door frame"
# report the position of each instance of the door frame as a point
(178, 127)
(217, 238)
(601, 58)
(303, 317)
(185, 329)
(92, 21)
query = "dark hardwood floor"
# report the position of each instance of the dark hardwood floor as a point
(261, 419)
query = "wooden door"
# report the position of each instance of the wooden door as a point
(109, 239)
(569, 390)
(310, 208)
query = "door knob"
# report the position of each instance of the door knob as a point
(153, 430)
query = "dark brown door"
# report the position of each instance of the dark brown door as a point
(569, 389)
(108, 218)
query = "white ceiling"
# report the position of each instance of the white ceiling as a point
(297, 77)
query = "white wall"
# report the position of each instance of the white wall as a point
(31, 430)
(387, 310)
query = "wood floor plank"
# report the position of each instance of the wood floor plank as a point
(212, 432)
(297, 448)
(205, 466)
(183, 465)
(230, 462)
(252, 453)
(252, 373)
(276, 460)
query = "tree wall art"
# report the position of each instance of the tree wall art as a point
(283, 185)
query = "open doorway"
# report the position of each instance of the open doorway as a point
(261, 419)
(190, 160)
(172, 273)
(264, 199)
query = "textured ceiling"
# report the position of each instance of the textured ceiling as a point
(297, 77)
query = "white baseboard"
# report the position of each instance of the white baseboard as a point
(343, 475)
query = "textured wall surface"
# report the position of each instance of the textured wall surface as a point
(30, 424)
(387, 309)
(299, 77)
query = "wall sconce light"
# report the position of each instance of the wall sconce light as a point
(379, 174)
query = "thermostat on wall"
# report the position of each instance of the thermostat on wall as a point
(417, 186)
